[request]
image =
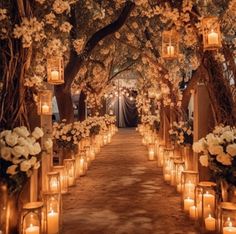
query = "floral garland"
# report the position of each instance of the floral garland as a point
(219, 152)
(181, 133)
(19, 156)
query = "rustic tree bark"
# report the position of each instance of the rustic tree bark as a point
(63, 92)
(82, 106)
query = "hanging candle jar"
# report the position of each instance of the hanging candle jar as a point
(52, 203)
(151, 152)
(63, 178)
(170, 44)
(54, 182)
(206, 205)
(55, 70)
(70, 170)
(45, 102)
(179, 167)
(31, 218)
(227, 218)
(189, 180)
(211, 33)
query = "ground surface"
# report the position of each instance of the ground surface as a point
(124, 193)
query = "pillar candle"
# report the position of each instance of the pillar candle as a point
(151, 154)
(209, 199)
(53, 222)
(193, 212)
(32, 229)
(167, 177)
(170, 50)
(230, 229)
(210, 223)
(179, 189)
(54, 75)
(188, 202)
(45, 108)
(213, 38)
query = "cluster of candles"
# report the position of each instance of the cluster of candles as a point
(44, 217)
(199, 199)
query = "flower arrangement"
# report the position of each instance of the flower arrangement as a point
(181, 133)
(152, 120)
(19, 156)
(219, 152)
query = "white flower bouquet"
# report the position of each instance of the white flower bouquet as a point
(152, 120)
(18, 156)
(181, 133)
(219, 152)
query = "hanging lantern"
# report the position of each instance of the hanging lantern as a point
(45, 102)
(170, 44)
(63, 178)
(70, 170)
(53, 209)
(227, 218)
(55, 70)
(211, 33)
(31, 218)
(54, 182)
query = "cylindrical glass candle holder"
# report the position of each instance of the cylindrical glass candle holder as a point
(83, 163)
(31, 218)
(179, 167)
(205, 200)
(227, 218)
(53, 182)
(52, 203)
(189, 180)
(172, 169)
(151, 152)
(63, 178)
(160, 156)
(70, 170)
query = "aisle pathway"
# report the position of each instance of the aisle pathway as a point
(124, 193)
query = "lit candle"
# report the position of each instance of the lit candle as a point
(54, 75)
(213, 38)
(209, 199)
(229, 229)
(53, 222)
(193, 212)
(167, 177)
(151, 154)
(179, 189)
(45, 108)
(170, 50)
(210, 223)
(32, 229)
(188, 202)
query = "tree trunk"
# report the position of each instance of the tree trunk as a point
(82, 107)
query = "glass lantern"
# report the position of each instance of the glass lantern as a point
(151, 152)
(52, 203)
(70, 170)
(211, 33)
(82, 163)
(170, 44)
(55, 70)
(189, 180)
(160, 156)
(45, 102)
(92, 153)
(31, 218)
(54, 182)
(63, 178)
(179, 167)
(206, 205)
(227, 218)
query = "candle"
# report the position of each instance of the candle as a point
(193, 212)
(45, 108)
(32, 229)
(179, 189)
(213, 38)
(207, 210)
(53, 222)
(209, 199)
(170, 50)
(151, 154)
(54, 75)
(54, 186)
(210, 223)
(188, 202)
(167, 177)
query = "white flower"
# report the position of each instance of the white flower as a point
(212, 139)
(65, 27)
(19, 151)
(12, 169)
(34, 149)
(25, 165)
(228, 136)
(11, 139)
(48, 144)
(33, 161)
(6, 153)
(215, 149)
(199, 146)
(231, 149)
(225, 159)
(22, 131)
(37, 133)
(204, 160)
(4, 133)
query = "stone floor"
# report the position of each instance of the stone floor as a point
(124, 193)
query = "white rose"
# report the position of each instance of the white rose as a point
(228, 136)
(212, 139)
(48, 144)
(231, 149)
(25, 165)
(4, 133)
(225, 159)
(6, 153)
(204, 160)
(215, 149)
(17, 161)
(37, 133)
(22, 131)
(22, 141)
(199, 146)
(32, 161)
(34, 148)
(19, 151)
(12, 169)
(11, 139)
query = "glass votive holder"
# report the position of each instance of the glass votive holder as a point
(179, 167)
(52, 203)
(172, 169)
(105, 139)
(31, 218)
(189, 180)
(205, 200)
(160, 155)
(70, 170)
(227, 218)
(151, 152)
(82, 163)
(53, 182)
(63, 178)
